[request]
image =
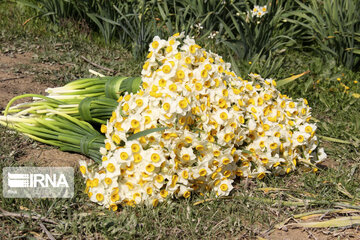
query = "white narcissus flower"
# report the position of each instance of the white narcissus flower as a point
(321, 155)
(258, 11)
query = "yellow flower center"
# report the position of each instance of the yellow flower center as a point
(192, 49)
(162, 82)
(137, 158)
(155, 202)
(273, 146)
(185, 174)
(135, 148)
(220, 69)
(204, 73)
(169, 49)
(150, 167)
(83, 169)
(135, 123)
(130, 185)
(173, 87)
(166, 69)
(103, 128)
(124, 155)
(155, 157)
(308, 129)
(186, 157)
(198, 86)
(224, 187)
(202, 172)
(186, 194)
(147, 119)
(99, 197)
(249, 87)
(226, 161)
(108, 181)
(155, 44)
(159, 178)
(116, 138)
(166, 106)
(223, 115)
(164, 193)
(180, 74)
(110, 167)
(149, 55)
(183, 103)
(261, 175)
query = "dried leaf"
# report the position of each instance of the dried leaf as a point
(342, 189)
(270, 189)
(337, 222)
(290, 79)
(282, 224)
(321, 212)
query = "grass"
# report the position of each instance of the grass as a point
(247, 213)
(63, 45)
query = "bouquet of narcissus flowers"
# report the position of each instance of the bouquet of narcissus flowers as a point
(194, 127)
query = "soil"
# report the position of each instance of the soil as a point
(46, 156)
(15, 80)
(319, 234)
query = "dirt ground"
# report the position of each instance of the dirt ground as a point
(16, 80)
(323, 234)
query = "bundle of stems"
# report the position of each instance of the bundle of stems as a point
(110, 87)
(90, 99)
(61, 130)
(63, 118)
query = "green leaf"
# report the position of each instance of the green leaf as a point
(131, 84)
(84, 109)
(112, 87)
(93, 17)
(29, 4)
(246, 151)
(145, 132)
(356, 51)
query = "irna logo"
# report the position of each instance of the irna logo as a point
(36, 180)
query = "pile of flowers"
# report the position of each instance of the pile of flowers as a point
(219, 126)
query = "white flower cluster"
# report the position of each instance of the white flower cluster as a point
(213, 34)
(219, 126)
(258, 11)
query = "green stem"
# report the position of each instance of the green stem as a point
(84, 81)
(76, 129)
(83, 92)
(29, 95)
(49, 142)
(85, 125)
(45, 133)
